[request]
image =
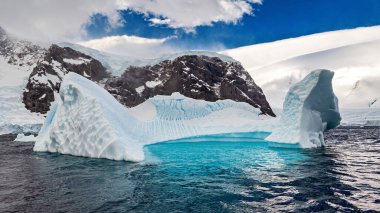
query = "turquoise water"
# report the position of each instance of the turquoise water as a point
(207, 176)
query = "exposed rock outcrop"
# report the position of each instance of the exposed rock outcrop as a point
(198, 77)
(46, 77)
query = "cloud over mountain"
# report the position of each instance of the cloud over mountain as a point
(53, 20)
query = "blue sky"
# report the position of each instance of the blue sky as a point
(272, 20)
(151, 28)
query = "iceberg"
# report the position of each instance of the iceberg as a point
(85, 120)
(25, 138)
(309, 109)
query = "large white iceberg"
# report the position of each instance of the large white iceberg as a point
(87, 121)
(309, 109)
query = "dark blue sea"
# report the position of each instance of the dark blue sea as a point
(206, 176)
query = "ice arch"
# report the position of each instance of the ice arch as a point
(85, 120)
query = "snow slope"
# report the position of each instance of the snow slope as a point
(117, 64)
(361, 117)
(14, 117)
(114, 63)
(352, 54)
(83, 122)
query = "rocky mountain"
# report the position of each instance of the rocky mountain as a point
(195, 76)
(46, 77)
(199, 75)
(19, 52)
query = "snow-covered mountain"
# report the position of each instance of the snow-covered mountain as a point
(117, 64)
(205, 75)
(17, 59)
(37, 73)
(195, 76)
(198, 77)
(30, 74)
(19, 52)
(352, 54)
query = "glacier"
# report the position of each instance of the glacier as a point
(85, 120)
(14, 117)
(361, 117)
(278, 65)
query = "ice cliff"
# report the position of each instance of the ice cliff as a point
(87, 121)
(309, 109)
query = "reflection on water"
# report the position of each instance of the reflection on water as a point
(201, 177)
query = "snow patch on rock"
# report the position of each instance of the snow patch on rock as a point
(152, 84)
(140, 89)
(77, 61)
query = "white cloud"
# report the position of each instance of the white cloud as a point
(131, 46)
(157, 21)
(52, 20)
(188, 14)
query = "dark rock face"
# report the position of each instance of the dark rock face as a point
(198, 77)
(46, 77)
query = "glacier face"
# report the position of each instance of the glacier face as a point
(310, 108)
(14, 117)
(87, 121)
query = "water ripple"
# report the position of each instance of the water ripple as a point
(200, 177)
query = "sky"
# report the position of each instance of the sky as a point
(149, 28)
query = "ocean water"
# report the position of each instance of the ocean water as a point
(208, 176)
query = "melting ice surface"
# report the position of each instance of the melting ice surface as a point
(87, 121)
